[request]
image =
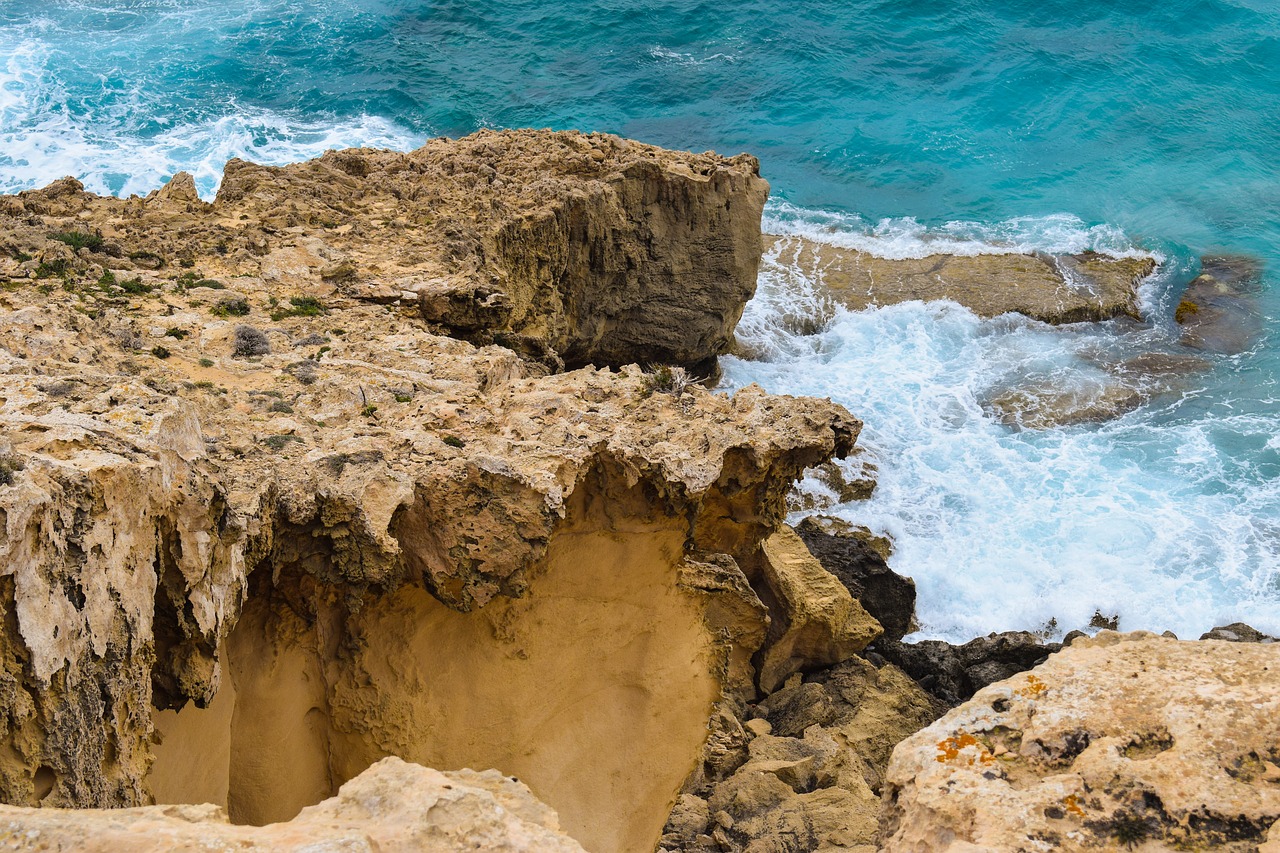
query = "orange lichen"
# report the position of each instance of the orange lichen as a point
(949, 750)
(1035, 687)
(1072, 805)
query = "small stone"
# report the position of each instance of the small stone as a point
(758, 727)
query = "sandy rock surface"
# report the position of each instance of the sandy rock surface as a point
(1118, 742)
(1051, 288)
(393, 807)
(270, 513)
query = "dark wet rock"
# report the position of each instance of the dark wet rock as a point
(1162, 365)
(954, 673)
(855, 557)
(1219, 310)
(1238, 632)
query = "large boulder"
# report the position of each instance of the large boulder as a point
(392, 807)
(1119, 741)
(1051, 288)
(816, 622)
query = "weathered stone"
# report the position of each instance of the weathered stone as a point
(1053, 289)
(953, 673)
(859, 561)
(1238, 632)
(392, 807)
(813, 782)
(1118, 741)
(244, 580)
(815, 621)
(1219, 310)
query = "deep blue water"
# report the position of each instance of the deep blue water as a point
(1126, 126)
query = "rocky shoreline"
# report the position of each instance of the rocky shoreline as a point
(388, 458)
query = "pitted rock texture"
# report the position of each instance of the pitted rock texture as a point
(1119, 741)
(1051, 288)
(578, 249)
(213, 431)
(392, 807)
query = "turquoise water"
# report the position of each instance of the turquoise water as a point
(1125, 126)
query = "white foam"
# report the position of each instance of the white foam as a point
(41, 139)
(905, 237)
(1155, 516)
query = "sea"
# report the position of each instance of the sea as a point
(1130, 127)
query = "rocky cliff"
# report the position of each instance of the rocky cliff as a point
(294, 481)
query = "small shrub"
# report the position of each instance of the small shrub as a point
(454, 441)
(175, 332)
(21, 257)
(301, 306)
(79, 240)
(403, 398)
(205, 384)
(52, 269)
(250, 342)
(161, 352)
(206, 362)
(135, 286)
(279, 442)
(303, 371)
(369, 410)
(312, 340)
(186, 263)
(282, 407)
(232, 306)
(9, 465)
(668, 380)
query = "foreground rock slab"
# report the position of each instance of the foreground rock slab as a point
(1050, 288)
(393, 807)
(1119, 741)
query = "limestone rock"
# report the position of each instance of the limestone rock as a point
(816, 621)
(1219, 310)
(853, 557)
(812, 760)
(392, 807)
(1053, 289)
(1117, 741)
(245, 576)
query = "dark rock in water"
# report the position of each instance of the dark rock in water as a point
(853, 557)
(954, 673)
(1238, 632)
(1219, 310)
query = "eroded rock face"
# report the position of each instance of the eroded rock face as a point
(1053, 289)
(296, 522)
(392, 807)
(1118, 741)
(577, 249)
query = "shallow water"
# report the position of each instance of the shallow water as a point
(901, 129)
